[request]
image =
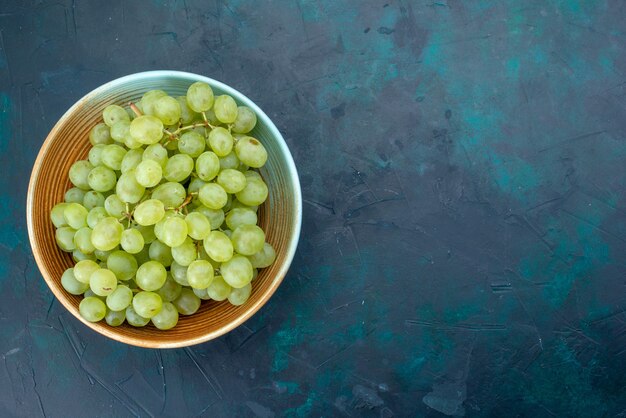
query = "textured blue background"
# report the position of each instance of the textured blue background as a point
(464, 231)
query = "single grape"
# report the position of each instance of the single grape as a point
(121, 263)
(64, 237)
(237, 271)
(142, 256)
(146, 129)
(158, 227)
(75, 215)
(218, 246)
(210, 116)
(79, 256)
(82, 240)
(179, 274)
(167, 318)
(115, 318)
(229, 161)
(157, 153)
(186, 114)
(240, 296)
(134, 319)
(120, 298)
(150, 276)
(149, 212)
(161, 253)
(200, 274)
(225, 108)
(219, 289)
(194, 185)
(167, 109)
(127, 188)
(213, 196)
(251, 152)
(132, 158)
(71, 285)
(207, 166)
(246, 120)
(232, 181)
(132, 241)
(263, 258)
(147, 232)
(107, 234)
(201, 293)
(187, 303)
(248, 239)
(178, 168)
(255, 273)
(103, 255)
(147, 304)
(93, 199)
(120, 131)
(172, 194)
(113, 114)
(215, 216)
(112, 156)
(92, 309)
(198, 226)
(101, 179)
(99, 134)
(102, 282)
(200, 97)
(131, 143)
(56, 215)
(95, 155)
(170, 289)
(254, 193)
(220, 141)
(174, 231)
(149, 173)
(149, 100)
(240, 216)
(79, 172)
(185, 253)
(114, 206)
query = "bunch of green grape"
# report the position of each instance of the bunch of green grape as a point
(163, 214)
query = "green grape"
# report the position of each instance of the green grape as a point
(246, 120)
(65, 238)
(210, 116)
(150, 276)
(237, 271)
(167, 318)
(171, 194)
(251, 174)
(185, 253)
(201, 293)
(157, 153)
(114, 206)
(146, 129)
(95, 154)
(240, 296)
(131, 160)
(218, 246)
(236, 204)
(171, 145)
(158, 227)
(149, 212)
(251, 152)
(174, 231)
(71, 285)
(198, 226)
(228, 233)
(225, 108)
(101, 178)
(195, 184)
(248, 239)
(200, 97)
(215, 216)
(207, 166)
(92, 309)
(179, 274)
(232, 181)
(113, 114)
(79, 172)
(74, 195)
(79, 256)
(161, 253)
(187, 303)
(186, 114)
(254, 193)
(219, 289)
(124, 265)
(149, 173)
(200, 274)
(115, 318)
(56, 215)
(143, 256)
(89, 294)
(131, 143)
(82, 240)
(128, 189)
(147, 232)
(102, 282)
(191, 143)
(103, 255)
(220, 141)
(213, 196)
(99, 135)
(170, 289)
(229, 161)
(134, 319)
(120, 298)
(178, 168)
(147, 304)
(148, 101)
(132, 241)
(120, 131)
(112, 156)
(255, 273)
(229, 200)
(263, 258)
(240, 216)
(107, 234)
(93, 199)
(167, 109)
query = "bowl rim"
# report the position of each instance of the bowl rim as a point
(290, 250)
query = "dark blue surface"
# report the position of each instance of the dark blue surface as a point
(464, 231)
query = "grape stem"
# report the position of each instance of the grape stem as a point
(135, 109)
